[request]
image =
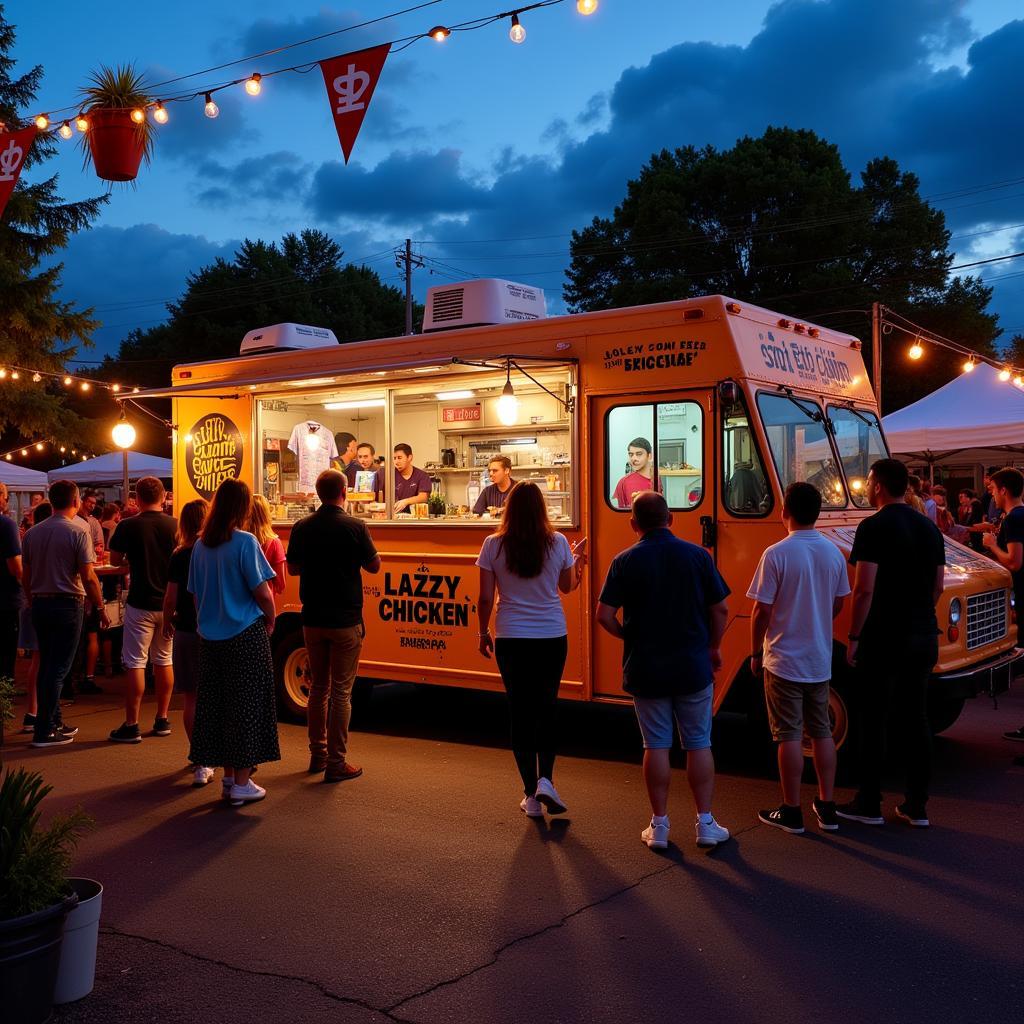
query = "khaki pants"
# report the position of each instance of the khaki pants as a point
(333, 660)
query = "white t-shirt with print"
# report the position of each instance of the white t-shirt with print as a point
(312, 460)
(800, 577)
(528, 608)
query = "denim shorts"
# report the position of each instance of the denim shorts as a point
(692, 714)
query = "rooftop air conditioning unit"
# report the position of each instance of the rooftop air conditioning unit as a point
(285, 338)
(488, 300)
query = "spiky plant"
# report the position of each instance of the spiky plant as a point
(118, 88)
(34, 861)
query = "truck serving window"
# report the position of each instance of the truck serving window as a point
(429, 448)
(859, 440)
(800, 445)
(655, 447)
(745, 490)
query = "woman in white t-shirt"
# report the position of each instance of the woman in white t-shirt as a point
(529, 562)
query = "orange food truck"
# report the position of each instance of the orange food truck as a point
(735, 401)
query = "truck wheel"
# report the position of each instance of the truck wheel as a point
(839, 716)
(942, 713)
(291, 675)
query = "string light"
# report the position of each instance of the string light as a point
(160, 113)
(1004, 373)
(115, 388)
(24, 451)
(252, 84)
(1018, 380)
(517, 33)
(62, 449)
(65, 131)
(439, 33)
(67, 382)
(39, 446)
(82, 123)
(36, 378)
(211, 109)
(15, 375)
(586, 6)
(85, 385)
(969, 365)
(138, 115)
(3, 374)
(42, 122)
(8, 456)
(916, 350)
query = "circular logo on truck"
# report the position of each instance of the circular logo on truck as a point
(213, 453)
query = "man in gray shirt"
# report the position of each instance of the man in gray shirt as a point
(58, 575)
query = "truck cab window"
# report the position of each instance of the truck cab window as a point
(859, 440)
(745, 490)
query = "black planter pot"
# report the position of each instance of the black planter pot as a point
(29, 957)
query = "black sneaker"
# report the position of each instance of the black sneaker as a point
(1017, 734)
(914, 814)
(162, 727)
(28, 723)
(825, 812)
(127, 734)
(859, 810)
(88, 685)
(789, 819)
(53, 739)
(68, 730)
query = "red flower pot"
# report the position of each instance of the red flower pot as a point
(117, 144)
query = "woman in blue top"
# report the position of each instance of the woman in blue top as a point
(236, 715)
(529, 562)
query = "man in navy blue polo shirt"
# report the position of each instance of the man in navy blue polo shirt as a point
(674, 611)
(412, 485)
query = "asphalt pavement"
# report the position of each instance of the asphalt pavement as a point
(419, 892)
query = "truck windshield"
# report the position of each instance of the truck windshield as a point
(859, 440)
(800, 446)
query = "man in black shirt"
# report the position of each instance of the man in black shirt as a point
(326, 551)
(900, 558)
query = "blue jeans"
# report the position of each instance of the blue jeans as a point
(58, 625)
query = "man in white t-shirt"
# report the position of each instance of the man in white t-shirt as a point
(798, 589)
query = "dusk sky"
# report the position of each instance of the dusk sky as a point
(488, 154)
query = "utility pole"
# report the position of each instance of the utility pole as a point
(410, 260)
(876, 352)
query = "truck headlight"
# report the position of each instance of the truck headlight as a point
(956, 610)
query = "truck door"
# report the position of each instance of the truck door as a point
(638, 443)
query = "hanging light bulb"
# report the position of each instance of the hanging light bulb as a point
(42, 122)
(15, 375)
(1004, 373)
(24, 451)
(73, 452)
(62, 449)
(508, 404)
(252, 84)
(115, 388)
(3, 373)
(439, 33)
(138, 115)
(160, 113)
(916, 350)
(516, 33)
(969, 365)
(123, 433)
(67, 382)
(211, 109)
(586, 6)
(82, 123)
(36, 378)
(85, 385)
(65, 131)
(8, 456)
(39, 446)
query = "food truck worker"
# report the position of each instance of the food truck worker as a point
(499, 469)
(639, 477)
(412, 485)
(346, 461)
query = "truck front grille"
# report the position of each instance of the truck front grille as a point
(986, 618)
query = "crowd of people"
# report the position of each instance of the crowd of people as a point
(200, 609)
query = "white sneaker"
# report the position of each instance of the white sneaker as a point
(710, 834)
(202, 776)
(531, 807)
(548, 796)
(656, 836)
(247, 794)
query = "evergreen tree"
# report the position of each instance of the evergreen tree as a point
(37, 329)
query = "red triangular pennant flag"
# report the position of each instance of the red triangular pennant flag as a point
(350, 80)
(14, 148)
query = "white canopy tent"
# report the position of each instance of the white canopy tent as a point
(21, 482)
(109, 469)
(976, 418)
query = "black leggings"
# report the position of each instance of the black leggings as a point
(531, 670)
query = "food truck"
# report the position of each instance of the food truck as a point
(734, 403)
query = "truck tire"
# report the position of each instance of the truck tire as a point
(943, 712)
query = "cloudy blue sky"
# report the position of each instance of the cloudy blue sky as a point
(488, 154)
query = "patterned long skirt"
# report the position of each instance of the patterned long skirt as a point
(236, 711)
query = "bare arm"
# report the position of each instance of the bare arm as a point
(837, 605)
(484, 607)
(760, 616)
(14, 567)
(1010, 559)
(863, 593)
(170, 604)
(608, 620)
(265, 599)
(719, 615)
(93, 591)
(373, 565)
(117, 558)
(569, 579)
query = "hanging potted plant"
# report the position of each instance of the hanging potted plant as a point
(119, 134)
(35, 895)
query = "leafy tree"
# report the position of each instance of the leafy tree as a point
(777, 221)
(36, 328)
(1014, 350)
(302, 279)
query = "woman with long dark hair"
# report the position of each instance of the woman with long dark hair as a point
(529, 562)
(236, 717)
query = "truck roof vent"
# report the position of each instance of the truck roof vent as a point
(485, 301)
(285, 338)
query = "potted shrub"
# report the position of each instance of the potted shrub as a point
(114, 143)
(7, 695)
(436, 505)
(35, 896)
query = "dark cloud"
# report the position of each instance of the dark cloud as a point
(593, 111)
(260, 177)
